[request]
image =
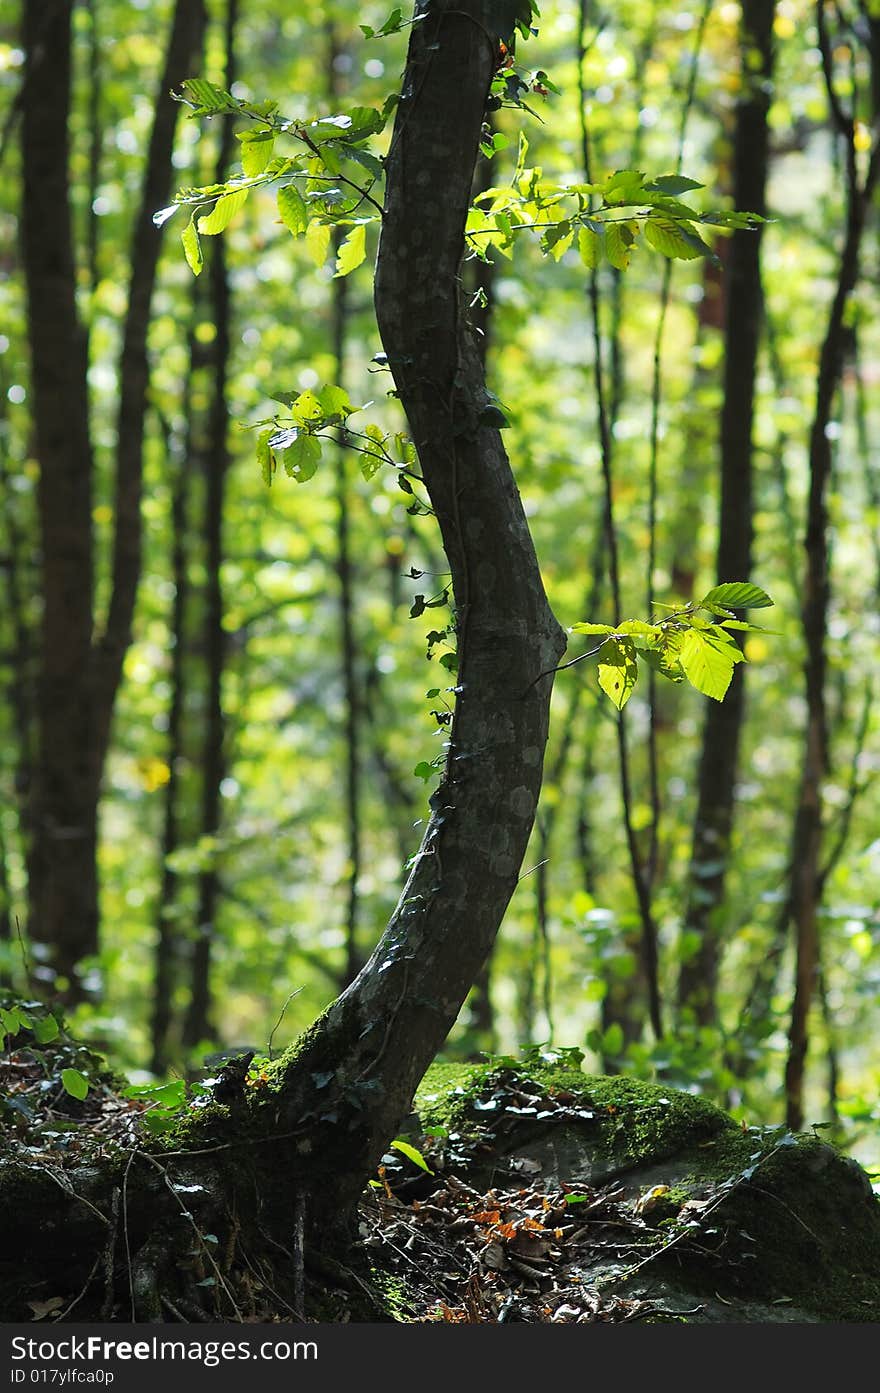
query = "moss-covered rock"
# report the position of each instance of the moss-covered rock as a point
(747, 1223)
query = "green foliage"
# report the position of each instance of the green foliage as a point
(683, 645)
(75, 1083)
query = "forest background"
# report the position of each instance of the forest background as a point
(271, 734)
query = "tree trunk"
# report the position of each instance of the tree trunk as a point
(80, 674)
(723, 720)
(379, 1036)
(63, 887)
(805, 887)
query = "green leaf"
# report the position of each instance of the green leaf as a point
(45, 1030)
(643, 635)
(318, 241)
(192, 247)
(624, 186)
(586, 628)
(306, 409)
(293, 210)
(257, 148)
(424, 770)
(302, 457)
(707, 662)
(74, 1083)
(335, 402)
(618, 670)
(673, 184)
(352, 251)
(590, 247)
(673, 239)
(412, 1154)
(265, 457)
(612, 1039)
(222, 213)
(207, 98)
(739, 594)
(11, 1021)
(619, 241)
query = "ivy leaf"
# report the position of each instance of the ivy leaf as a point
(192, 248)
(74, 1083)
(707, 662)
(618, 670)
(302, 457)
(222, 213)
(352, 251)
(293, 210)
(736, 595)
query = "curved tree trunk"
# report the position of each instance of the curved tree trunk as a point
(380, 1035)
(305, 1144)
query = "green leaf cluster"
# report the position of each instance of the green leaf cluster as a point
(683, 646)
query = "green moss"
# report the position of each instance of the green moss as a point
(796, 1223)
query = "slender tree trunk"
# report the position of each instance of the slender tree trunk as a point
(198, 1024)
(347, 582)
(167, 923)
(80, 672)
(808, 827)
(723, 721)
(64, 906)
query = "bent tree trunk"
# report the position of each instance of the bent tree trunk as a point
(380, 1035)
(302, 1146)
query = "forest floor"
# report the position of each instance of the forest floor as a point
(435, 1248)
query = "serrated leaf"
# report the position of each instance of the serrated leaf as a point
(618, 670)
(265, 457)
(738, 594)
(74, 1083)
(707, 663)
(586, 628)
(673, 239)
(306, 408)
(352, 251)
(293, 210)
(673, 184)
(207, 96)
(335, 402)
(412, 1154)
(257, 148)
(318, 242)
(643, 635)
(589, 247)
(192, 248)
(301, 459)
(619, 241)
(222, 213)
